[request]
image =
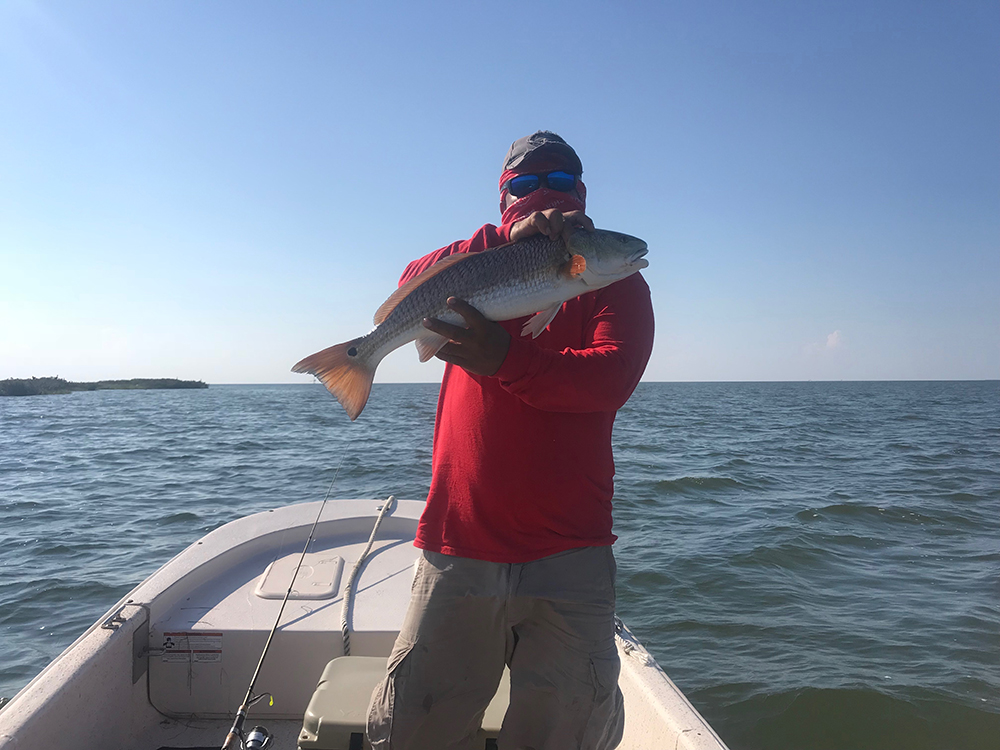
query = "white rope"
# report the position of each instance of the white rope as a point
(631, 648)
(349, 589)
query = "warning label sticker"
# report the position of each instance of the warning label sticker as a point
(192, 647)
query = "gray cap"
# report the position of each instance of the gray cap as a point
(542, 142)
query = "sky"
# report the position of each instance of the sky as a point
(213, 191)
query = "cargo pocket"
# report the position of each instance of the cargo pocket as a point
(380, 713)
(605, 667)
(418, 565)
(607, 720)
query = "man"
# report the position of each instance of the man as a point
(516, 536)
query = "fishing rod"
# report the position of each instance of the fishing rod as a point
(259, 738)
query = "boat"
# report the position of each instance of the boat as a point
(168, 665)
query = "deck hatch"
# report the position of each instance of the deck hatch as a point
(318, 578)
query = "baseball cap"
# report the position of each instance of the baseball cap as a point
(542, 142)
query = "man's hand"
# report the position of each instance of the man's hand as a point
(552, 222)
(479, 348)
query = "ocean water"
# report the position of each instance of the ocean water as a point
(816, 565)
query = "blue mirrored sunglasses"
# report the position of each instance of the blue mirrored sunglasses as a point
(524, 184)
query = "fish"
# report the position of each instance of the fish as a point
(535, 275)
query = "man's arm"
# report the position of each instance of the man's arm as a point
(600, 376)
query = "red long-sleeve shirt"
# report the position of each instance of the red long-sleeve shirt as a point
(522, 464)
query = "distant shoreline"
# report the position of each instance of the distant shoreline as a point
(56, 386)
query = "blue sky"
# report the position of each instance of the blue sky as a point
(215, 190)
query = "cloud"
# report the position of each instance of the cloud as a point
(834, 342)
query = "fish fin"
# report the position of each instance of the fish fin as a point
(575, 266)
(400, 294)
(347, 378)
(540, 321)
(428, 346)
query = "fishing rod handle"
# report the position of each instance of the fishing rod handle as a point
(233, 739)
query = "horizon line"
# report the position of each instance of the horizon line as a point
(838, 380)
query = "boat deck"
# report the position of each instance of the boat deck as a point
(171, 662)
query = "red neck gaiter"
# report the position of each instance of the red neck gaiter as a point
(540, 200)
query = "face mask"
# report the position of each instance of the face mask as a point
(540, 200)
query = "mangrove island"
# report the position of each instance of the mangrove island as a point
(49, 386)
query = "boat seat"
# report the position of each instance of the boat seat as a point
(336, 715)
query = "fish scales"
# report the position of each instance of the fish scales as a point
(534, 275)
(490, 278)
(493, 282)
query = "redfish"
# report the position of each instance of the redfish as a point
(533, 275)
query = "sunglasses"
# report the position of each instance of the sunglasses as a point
(524, 184)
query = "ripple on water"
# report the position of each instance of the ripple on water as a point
(889, 516)
(697, 485)
(175, 518)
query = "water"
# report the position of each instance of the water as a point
(815, 564)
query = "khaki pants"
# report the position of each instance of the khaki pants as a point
(551, 621)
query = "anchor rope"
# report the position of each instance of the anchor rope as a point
(349, 588)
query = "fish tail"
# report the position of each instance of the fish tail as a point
(346, 376)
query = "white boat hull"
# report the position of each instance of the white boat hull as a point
(174, 662)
